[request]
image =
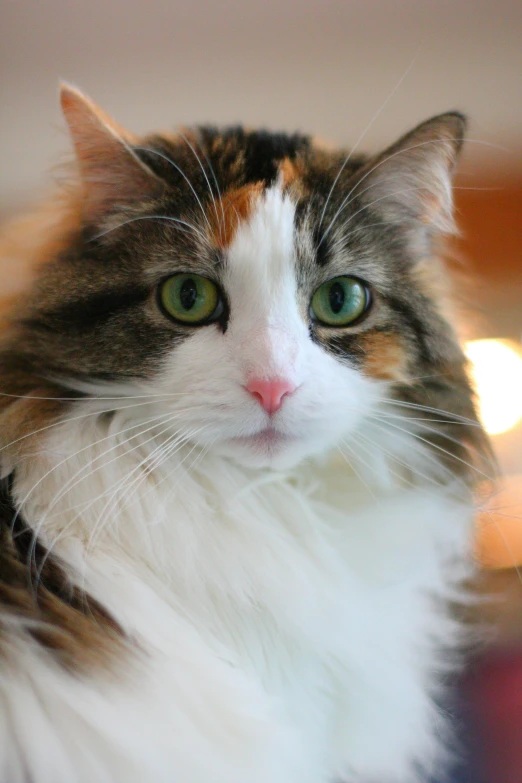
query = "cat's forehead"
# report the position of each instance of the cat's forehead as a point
(259, 261)
(263, 237)
(227, 170)
(239, 156)
(257, 197)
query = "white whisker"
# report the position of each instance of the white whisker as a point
(179, 223)
(220, 224)
(125, 452)
(346, 200)
(432, 445)
(180, 170)
(68, 419)
(356, 472)
(105, 514)
(70, 484)
(365, 131)
(429, 409)
(409, 467)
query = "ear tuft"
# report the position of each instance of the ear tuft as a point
(112, 173)
(411, 182)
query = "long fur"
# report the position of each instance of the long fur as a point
(191, 589)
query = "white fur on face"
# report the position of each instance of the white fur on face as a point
(267, 337)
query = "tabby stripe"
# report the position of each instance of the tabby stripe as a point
(84, 314)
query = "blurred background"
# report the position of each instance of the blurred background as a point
(353, 72)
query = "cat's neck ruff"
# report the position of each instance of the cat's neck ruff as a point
(285, 600)
(198, 522)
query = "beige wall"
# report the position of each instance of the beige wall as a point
(325, 66)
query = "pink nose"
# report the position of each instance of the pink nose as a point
(270, 394)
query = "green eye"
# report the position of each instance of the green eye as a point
(340, 301)
(191, 299)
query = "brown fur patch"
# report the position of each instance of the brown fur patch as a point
(292, 173)
(29, 242)
(235, 207)
(385, 357)
(288, 171)
(36, 593)
(22, 419)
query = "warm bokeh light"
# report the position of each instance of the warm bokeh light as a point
(496, 367)
(499, 528)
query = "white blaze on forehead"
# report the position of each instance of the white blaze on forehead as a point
(262, 251)
(266, 326)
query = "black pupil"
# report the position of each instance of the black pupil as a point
(188, 294)
(336, 297)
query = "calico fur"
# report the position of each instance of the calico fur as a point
(192, 589)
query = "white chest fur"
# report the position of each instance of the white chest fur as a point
(289, 628)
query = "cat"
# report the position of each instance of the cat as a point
(239, 455)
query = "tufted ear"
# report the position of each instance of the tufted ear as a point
(111, 171)
(410, 183)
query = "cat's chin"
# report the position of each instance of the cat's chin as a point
(265, 449)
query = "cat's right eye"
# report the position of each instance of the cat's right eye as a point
(191, 299)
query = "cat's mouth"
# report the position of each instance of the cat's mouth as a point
(266, 441)
(268, 447)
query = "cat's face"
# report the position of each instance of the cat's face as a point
(270, 296)
(261, 383)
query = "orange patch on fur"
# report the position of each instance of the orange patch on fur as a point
(235, 207)
(21, 420)
(288, 172)
(30, 241)
(385, 358)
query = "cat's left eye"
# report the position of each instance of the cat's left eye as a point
(191, 299)
(340, 301)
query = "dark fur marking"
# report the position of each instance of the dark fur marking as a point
(265, 150)
(322, 247)
(34, 587)
(343, 345)
(83, 314)
(261, 151)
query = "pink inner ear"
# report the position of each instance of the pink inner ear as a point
(270, 393)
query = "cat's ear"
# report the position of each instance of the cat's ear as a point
(111, 172)
(410, 184)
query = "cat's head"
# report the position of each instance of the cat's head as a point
(276, 299)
